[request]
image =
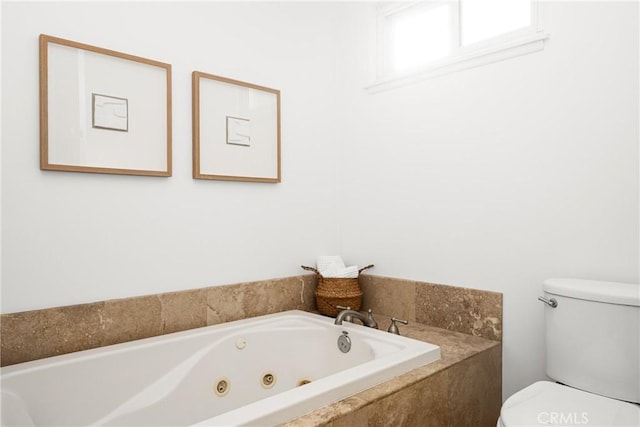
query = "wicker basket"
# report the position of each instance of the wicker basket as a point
(333, 291)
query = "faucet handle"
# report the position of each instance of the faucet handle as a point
(372, 321)
(339, 307)
(393, 328)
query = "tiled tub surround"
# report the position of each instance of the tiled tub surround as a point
(32, 335)
(463, 388)
(258, 359)
(470, 311)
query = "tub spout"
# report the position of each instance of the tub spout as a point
(367, 320)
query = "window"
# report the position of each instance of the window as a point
(431, 37)
(419, 35)
(484, 19)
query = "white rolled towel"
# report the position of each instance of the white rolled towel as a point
(350, 272)
(328, 265)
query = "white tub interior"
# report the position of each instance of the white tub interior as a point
(172, 379)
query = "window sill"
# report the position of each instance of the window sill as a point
(509, 49)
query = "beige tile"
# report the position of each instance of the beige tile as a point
(234, 302)
(260, 298)
(475, 389)
(303, 288)
(37, 334)
(341, 413)
(398, 409)
(432, 405)
(454, 346)
(357, 417)
(421, 404)
(388, 296)
(226, 303)
(470, 311)
(293, 293)
(131, 319)
(183, 310)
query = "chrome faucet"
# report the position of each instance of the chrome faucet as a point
(367, 320)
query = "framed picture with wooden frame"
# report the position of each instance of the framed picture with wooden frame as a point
(236, 130)
(103, 111)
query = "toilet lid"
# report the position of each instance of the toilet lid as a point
(549, 404)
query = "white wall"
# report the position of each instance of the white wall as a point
(493, 178)
(501, 176)
(70, 238)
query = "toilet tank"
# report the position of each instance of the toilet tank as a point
(593, 336)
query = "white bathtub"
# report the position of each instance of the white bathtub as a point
(172, 380)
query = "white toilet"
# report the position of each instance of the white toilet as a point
(593, 352)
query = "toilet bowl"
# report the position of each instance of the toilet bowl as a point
(592, 331)
(550, 404)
